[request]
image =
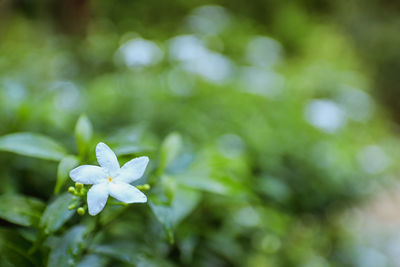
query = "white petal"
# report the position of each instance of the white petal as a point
(133, 169)
(126, 193)
(87, 174)
(107, 159)
(97, 198)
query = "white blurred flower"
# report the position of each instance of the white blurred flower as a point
(186, 48)
(196, 58)
(139, 53)
(209, 19)
(14, 92)
(68, 97)
(358, 104)
(325, 115)
(263, 51)
(373, 159)
(262, 82)
(110, 179)
(212, 66)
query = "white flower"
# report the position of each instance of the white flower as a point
(110, 179)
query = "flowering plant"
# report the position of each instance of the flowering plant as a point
(110, 179)
(60, 233)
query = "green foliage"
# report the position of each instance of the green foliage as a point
(32, 145)
(21, 210)
(13, 250)
(83, 134)
(121, 252)
(243, 171)
(171, 214)
(64, 167)
(169, 150)
(66, 248)
(56, 214)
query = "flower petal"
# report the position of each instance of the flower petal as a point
(126, 193)
(87, 174)
(97, 198)
(107, 159)
(133, 169)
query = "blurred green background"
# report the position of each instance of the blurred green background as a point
(286, 113)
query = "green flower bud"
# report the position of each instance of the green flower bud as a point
(81, 211)
(72, 190)
(79, 186)
(144, 187)
(72, 206)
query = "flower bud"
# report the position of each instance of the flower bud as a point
(72, 190)
(81, 211)
(79, 186)
(72, 206)
(143, 187)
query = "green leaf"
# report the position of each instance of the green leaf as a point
(65, 166)
(132, 139)
(212, 184)
(170, 215)
(65, 250)
(185, 201)
(170, 186)
(121, 251)
(204, 175)
(92, 260)
(83, 134)
(129, 149)
(32, 145)
(57, 213)
(169, 150)
(21, 210)
(110, 213)
(163, 213)
(13, 250)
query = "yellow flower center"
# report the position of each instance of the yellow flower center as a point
(110, 179)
